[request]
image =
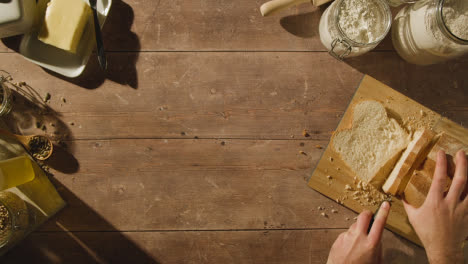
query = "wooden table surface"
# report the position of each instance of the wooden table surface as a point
(187, 149)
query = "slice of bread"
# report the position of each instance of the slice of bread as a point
(411, 158)
(420, 182)
(373, 144)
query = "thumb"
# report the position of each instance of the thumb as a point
(408, 208)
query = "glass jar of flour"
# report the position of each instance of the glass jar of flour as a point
(431, 31)
(349, 28)
(400, 2)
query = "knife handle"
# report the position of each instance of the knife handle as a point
(274, 6)
(100, 45)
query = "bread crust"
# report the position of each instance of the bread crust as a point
(420, 182)
(412, 157)
(377, 175)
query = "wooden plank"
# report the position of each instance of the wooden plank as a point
(193, 184)
(216, 94)
(148, 25)
(204, 95)
(441, 87)
(286, 246)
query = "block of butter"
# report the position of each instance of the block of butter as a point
(64, 23)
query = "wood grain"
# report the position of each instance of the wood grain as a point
(139, 190)
(215, 94)
(247, 184)
(208, 25)
(282, 246)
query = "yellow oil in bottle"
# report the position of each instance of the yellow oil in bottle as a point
(15, 171)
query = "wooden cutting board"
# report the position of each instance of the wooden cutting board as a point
(331, 175)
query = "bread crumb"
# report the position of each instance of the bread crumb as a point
(320, 208)
(318, 146)
(305, 133)
(324, 215)
(329, 177)
(347, 218)
(355, 218)
(338, 169)
(303, 153)
(331, 159)
(334, 211)
(348, 187)
(47, 98)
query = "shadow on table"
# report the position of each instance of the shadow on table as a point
(303, 25)
(117, 36)
(441, 87)
(62, 160)
(394, 255)
(70, 246)
(31, 115)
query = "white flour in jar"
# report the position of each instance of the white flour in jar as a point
(361, 20)
(418, 38)
(354, 27)
(455, 15)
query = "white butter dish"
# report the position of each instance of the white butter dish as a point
(16, 17)
(65, 63)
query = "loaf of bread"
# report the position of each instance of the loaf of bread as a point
(373, 144)
(411, 158)
(418, 186)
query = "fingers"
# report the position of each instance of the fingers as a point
(439, 178)
(408, 207)
(379, 223)
(459, 179)
(363, 221)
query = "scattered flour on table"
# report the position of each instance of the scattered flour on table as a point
(361, 20)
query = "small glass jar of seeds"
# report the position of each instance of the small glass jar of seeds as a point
(14, 218)
(5, 98)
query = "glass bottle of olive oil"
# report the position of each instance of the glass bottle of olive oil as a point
(15, 171)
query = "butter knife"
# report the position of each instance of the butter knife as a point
(97, 29)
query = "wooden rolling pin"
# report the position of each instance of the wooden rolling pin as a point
(274, 6)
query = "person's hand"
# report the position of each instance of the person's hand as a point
(355, 245)
(442, 221)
